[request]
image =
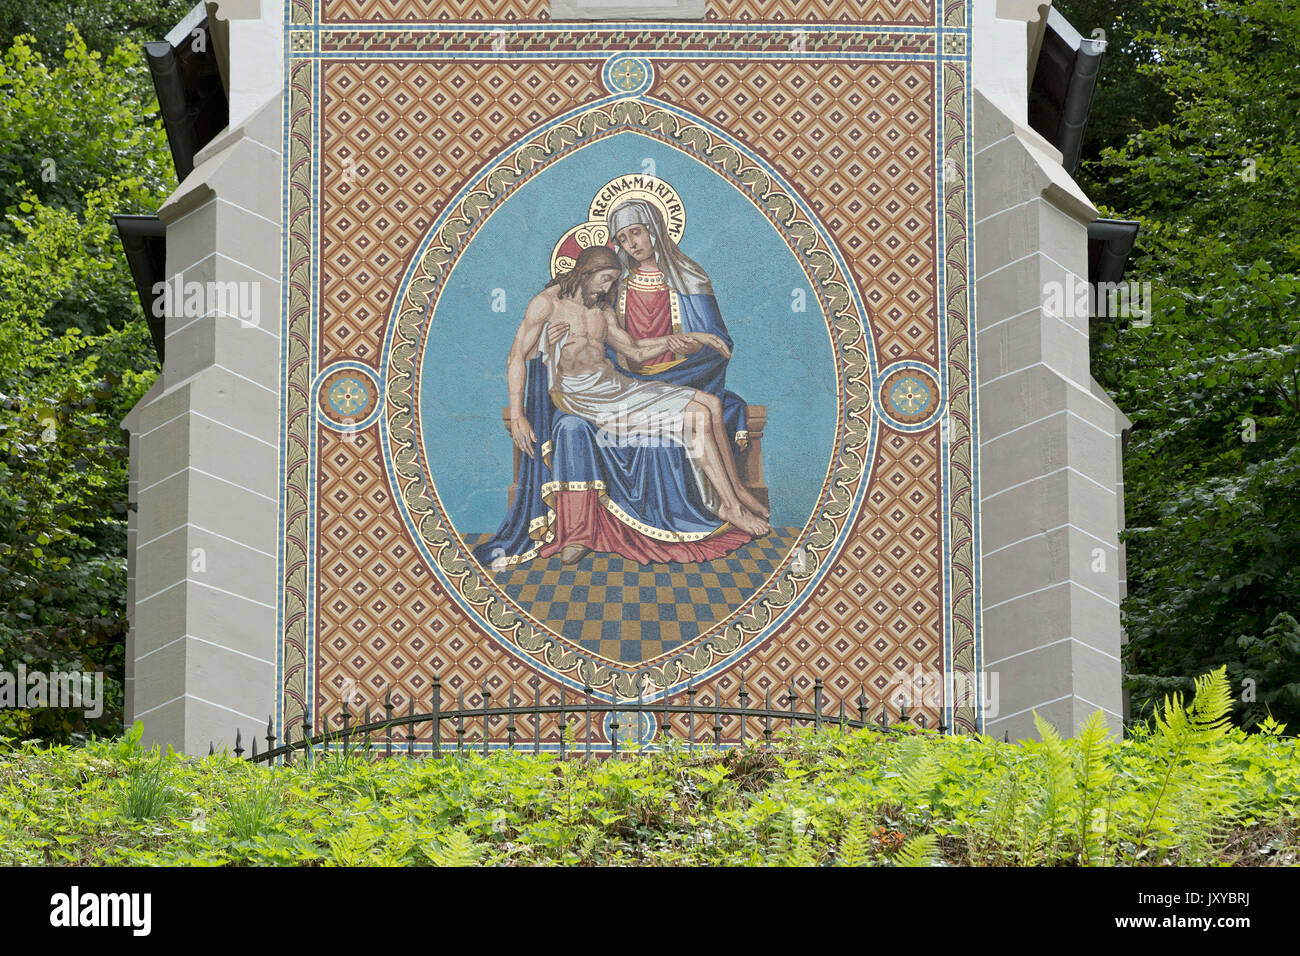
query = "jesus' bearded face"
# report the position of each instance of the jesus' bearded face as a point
(598, 284)
(635, 241)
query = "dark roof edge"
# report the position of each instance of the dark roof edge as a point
(1117, 237)
(169, 84)
(144, 241)
(1080, 92)
(1078, 104)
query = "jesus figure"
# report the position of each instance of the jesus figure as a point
(640, 468)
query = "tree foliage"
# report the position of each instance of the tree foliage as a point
(105, 24)
(79, 141)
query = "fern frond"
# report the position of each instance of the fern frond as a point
(854, 847)
(1190, 736)
(1058, 782)
(1094, 778)
(999, 816)
(802, 852)
(1212, 706)
(457, 849)
(920, 850)
(919, 778)
(782, 835)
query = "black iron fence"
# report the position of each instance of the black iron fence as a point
(371, 733)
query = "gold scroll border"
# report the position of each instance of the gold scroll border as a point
(404, 347)
(296, 680)
(963, 633)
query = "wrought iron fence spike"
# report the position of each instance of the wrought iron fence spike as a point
(587, 691)
(388, 726)
(564, 721)
(667, 728)
(436, 732)
(510, 718)
(410, 727)
(744, 705)
(537, 717)
(690, 714)
(460, 722)
(793, 699)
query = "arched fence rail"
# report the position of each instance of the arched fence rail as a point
(518, 738)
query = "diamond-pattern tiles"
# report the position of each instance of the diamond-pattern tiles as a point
(857, 140)
(360, 11)
(902, 12)
(401, 137)
(912, 12)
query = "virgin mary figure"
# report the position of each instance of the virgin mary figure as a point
(664, 292)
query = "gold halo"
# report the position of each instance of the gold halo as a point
(653, 190)
(595, 233)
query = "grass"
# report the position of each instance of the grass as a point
(147, 793)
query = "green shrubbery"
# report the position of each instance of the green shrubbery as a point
(1191, 789)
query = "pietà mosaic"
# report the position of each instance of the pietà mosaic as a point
(630, 357)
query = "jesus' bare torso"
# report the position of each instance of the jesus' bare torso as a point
(586, 328)
(588, 331)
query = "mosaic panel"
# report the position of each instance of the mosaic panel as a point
(767, 215)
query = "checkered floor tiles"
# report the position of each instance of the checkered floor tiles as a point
(628, 612)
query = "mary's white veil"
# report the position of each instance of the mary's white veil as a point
(682, 273)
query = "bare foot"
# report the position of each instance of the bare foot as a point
(746, 521)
